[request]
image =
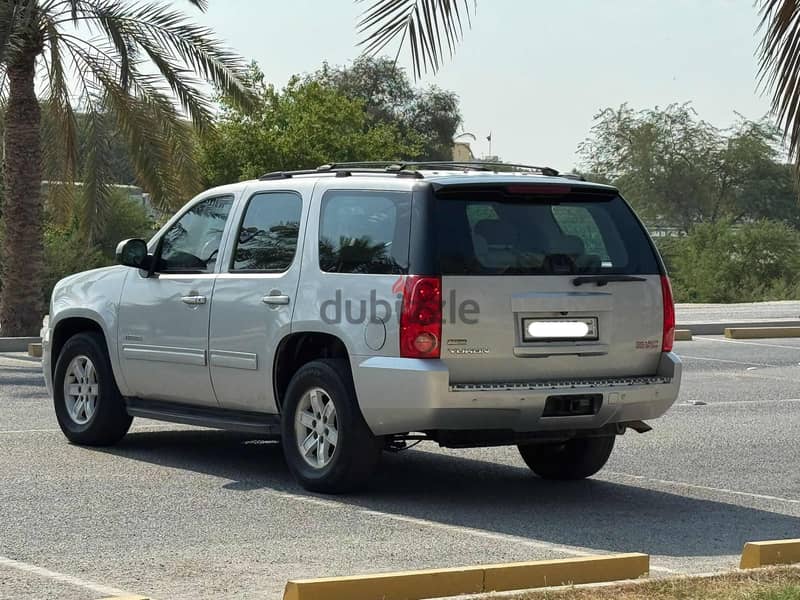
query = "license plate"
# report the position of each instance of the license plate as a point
(561, 330)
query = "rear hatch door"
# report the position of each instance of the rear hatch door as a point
(546, 282)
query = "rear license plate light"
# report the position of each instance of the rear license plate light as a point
(559, 330)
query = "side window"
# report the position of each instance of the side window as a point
(365, 232)
(267, 238)
(191, 244)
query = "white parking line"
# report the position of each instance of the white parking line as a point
(703, 488)
(725, 360)
(459, 529)
(738, 402)
(709, 339)
(61, 577)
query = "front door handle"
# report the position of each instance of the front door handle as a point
(193, 299)
(275, 300)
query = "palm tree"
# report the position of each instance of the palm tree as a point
(124, 65)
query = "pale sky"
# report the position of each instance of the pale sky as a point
(535, 72)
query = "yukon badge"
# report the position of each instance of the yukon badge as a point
(482, 350)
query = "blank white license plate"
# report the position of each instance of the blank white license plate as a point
(549, 330)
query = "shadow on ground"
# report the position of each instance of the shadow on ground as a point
(483, 495)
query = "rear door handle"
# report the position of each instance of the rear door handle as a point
(193, 299)
(275, 300)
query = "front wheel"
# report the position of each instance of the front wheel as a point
(328, 445)
(577, 458)
(89, 407)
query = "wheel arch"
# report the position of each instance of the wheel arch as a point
(298, 349)
(73, 324)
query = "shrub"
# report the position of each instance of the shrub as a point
(747, 263)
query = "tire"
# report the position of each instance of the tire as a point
(337, 468)
(100, 419)
(577, 458)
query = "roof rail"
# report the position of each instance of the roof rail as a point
(342, 170)
(456, 165)
(407, 168)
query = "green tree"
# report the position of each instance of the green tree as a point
(65, 250)
(46, 40)
(430, 115)
(308, 123)
(719, 262)
(679, 170)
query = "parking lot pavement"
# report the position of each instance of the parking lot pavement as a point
(178, 512)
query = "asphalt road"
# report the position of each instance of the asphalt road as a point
(175, 512)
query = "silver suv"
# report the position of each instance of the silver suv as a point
(352, 308)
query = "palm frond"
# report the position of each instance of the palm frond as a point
(59, 122)
(432, 28)
(96, 189)
(160, 141)
(779, 55)
(171, 35)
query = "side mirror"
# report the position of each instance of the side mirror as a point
(133, 253)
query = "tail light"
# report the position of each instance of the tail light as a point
(421, 317)
(668, 336)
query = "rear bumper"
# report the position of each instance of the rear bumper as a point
(399, 395)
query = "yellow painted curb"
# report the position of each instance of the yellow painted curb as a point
(683, 335)
(35, 350)
(435, 583)
(775, 552)
(750, 333)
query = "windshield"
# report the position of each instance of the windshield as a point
(484, 233)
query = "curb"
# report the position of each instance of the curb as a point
(683, 335)
(17, 344)
(719, 328)
(774, 552)
(438, 583)
(753, 333)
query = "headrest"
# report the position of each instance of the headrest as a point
(496, 232)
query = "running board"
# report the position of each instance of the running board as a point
(205, 416)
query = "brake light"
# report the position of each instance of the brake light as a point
(547, 188)
(421, 317)
(668, 335)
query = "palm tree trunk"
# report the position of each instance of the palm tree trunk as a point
(23, 247)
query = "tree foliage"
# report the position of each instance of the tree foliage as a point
(679, 170)
(431, 114)
(720, 262)
(310, 122)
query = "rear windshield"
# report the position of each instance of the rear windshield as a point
(491, 233)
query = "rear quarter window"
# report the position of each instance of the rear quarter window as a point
(490, 232)
(364, 232)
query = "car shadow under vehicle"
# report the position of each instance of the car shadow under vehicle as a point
(483, 495)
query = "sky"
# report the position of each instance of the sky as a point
(534, 73)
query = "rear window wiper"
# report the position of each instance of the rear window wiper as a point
(604, 279)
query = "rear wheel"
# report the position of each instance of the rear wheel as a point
(577, 458)
(88, 405)
(328, 445)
